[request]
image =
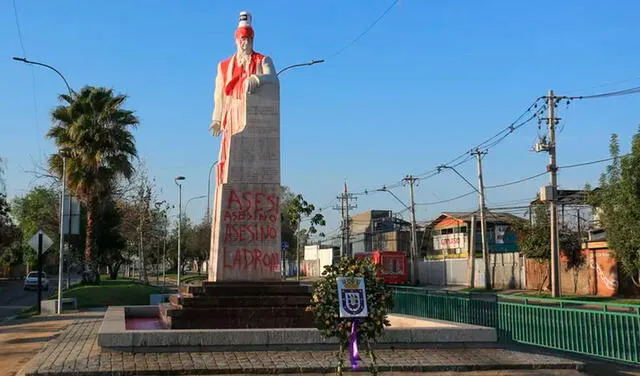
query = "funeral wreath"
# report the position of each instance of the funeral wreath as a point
(325, 305)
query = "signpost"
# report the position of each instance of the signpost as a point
(284, 246)
(40, 242)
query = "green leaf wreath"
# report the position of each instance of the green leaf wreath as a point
(324, 305)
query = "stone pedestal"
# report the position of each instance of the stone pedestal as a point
(245, 241)
(239, 305)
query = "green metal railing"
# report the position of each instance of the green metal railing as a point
(604, 330)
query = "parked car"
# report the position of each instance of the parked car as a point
(31, 281)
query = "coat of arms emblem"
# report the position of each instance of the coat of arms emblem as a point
(352, 297)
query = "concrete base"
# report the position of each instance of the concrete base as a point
(50, 307)
(405, 331)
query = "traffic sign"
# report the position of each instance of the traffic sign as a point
(284, 246)
(46, 241)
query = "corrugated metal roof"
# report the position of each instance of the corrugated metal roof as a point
(490, 217)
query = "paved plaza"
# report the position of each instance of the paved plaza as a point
(76, 352)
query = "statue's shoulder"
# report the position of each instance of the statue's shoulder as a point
(225, 63)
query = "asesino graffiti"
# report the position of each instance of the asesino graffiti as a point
(251, 206)
(251, 232)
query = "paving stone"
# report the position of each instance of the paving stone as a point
(76, 352)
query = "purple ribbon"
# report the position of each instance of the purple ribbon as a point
(354, 355)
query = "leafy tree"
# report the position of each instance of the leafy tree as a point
(535, 240)
(110, 241)
(198, 241)
(185, 250)
(297, 211)
(617, 200)
(97, 129)
(2, 183)
(38, 209)
(10, 236)
(287, 234)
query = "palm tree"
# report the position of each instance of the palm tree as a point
(96, 130)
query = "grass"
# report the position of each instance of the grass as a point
(111, 292)
(480, 289)
(29, 312)
(194, 278)
(587, 298)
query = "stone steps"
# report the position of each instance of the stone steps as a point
(248, 302)
(239, 305)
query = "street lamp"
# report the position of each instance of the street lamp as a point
(209, 192)
(24, 60)
(189, 200)
(63, 153)
(176, 180)
(312, 62)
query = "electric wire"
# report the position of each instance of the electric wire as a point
(633, 90)
(366, 30)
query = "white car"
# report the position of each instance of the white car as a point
(31, 281)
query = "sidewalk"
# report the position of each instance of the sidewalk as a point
(76, 352)
(20, 340)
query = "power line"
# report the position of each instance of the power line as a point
(484, 145)
(605, 84)
(592, 162)
(447, 200)
(371, 26)
(516, 181)
(15, 13)
(33, 75)
(633, 90)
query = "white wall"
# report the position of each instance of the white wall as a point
(315, 252)
(507, 271)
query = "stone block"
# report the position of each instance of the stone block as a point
(50, 307)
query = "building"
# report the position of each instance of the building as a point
(450, 233)
(380, 230)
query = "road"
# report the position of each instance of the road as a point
(14, 299)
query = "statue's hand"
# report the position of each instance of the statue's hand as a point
(252, 83)
(215, 128)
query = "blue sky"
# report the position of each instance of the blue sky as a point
(428, 82)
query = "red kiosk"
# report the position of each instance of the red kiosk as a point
(394, 266)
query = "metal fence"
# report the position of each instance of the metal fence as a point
(609, 331)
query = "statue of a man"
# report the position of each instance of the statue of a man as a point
(237, 76)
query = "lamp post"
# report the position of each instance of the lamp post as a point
(176, 180)
(209, 192)
(189, 200)
(24, 60)
(312, 62)
(63, 153)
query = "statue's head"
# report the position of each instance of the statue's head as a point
(244, 34)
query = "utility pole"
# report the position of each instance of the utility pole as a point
(345, 249)
(483, 224)
(472, 252)
(413, 251)
(552, 168)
